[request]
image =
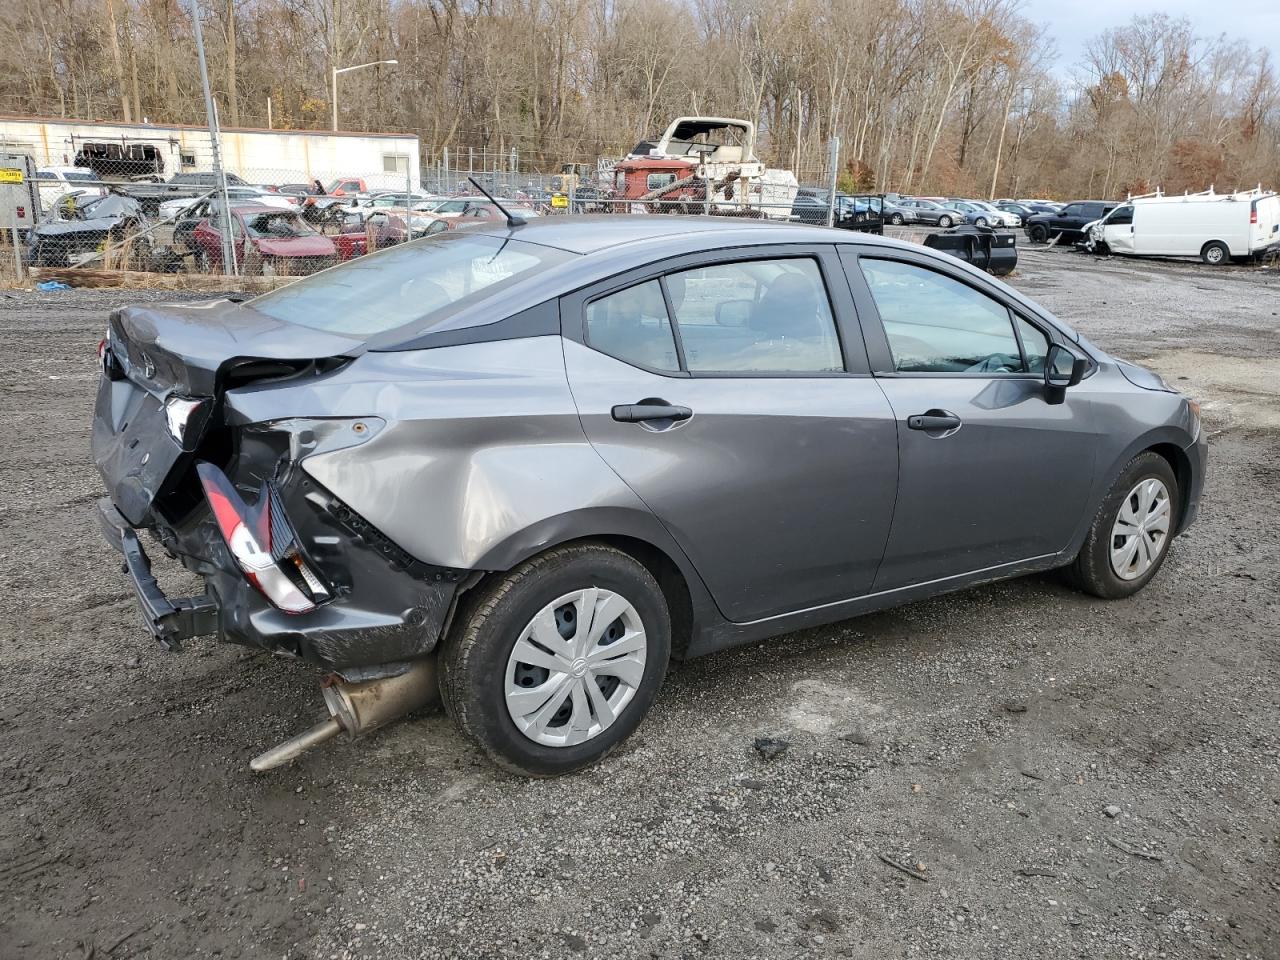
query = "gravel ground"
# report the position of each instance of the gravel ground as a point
(1018, 771)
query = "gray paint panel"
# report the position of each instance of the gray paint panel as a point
(779, 490)
(481, 442)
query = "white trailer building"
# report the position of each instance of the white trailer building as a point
(257, 155)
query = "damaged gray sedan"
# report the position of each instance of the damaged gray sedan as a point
(522, 467)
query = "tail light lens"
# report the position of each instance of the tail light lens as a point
(262, 543)
(1253, 213)
(22, 213)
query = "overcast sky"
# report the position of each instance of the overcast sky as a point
(1072, 22)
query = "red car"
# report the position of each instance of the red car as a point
(267, 240)
(386, 230)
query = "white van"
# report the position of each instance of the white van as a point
(1212, 226)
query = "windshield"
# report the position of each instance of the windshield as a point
(284, 224)
(430, 278)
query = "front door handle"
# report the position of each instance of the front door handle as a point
(650, 410)
(934, 420)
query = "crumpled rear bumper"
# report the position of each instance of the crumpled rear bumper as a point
(170, 621)
(386, 608)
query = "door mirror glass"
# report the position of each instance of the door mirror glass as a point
(734, 313)
(1062, 368)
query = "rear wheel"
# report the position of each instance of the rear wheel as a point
(1130, 535)
(555, 663)
(1215, 253)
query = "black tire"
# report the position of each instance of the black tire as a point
(1091, 571)
(1038, 233)
(980, 222)
(896, 219)
(473, 663)
(1215, 253)
(945, 222)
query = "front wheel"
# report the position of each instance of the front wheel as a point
(1130, 535)
(556, 662)
(945, 222)
(896, 220)
(1215, 254)
(1038, 233)
(980, 222)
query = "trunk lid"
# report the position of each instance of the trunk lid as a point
(157, 355)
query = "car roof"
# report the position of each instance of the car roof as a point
(599, 232)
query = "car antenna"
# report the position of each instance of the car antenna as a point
(512, 219)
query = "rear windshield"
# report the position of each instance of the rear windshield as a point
(427, 279)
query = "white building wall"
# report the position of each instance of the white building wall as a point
(267, 156)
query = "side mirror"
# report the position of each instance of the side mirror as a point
(734, 313)
(1062, 369)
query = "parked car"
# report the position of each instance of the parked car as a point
(979, 213)
(1213, 227)
(266, 240)
(930, 213)
(485, 212)
(194, 214)
(1069, 223)
(995, 216)
(897, 213)
(1021, 211)
(54, 183)
(863, 212)
(385, 229)
(456, 206)
(340, 195)
(487, 453)
(77, 233)
(173, 209)
(180, 185)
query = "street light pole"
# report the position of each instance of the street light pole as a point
(333, 82)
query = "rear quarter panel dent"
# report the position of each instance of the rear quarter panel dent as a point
(482, 442)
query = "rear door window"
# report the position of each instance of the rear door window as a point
(632, 325)
(755, 316)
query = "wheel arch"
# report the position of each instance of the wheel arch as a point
(1180, 462)
(638, 534)
(1215, 242)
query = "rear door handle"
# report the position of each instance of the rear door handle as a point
(640, 412)
(934, 420)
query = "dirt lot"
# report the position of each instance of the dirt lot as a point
(976, 739)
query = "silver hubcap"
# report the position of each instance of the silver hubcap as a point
(575, 667)
(1141, 530)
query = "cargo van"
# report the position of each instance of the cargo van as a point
(1216, 227)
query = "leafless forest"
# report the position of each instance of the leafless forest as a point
(927, 96)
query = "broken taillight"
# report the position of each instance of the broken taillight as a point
(262, 543)
(180, 413)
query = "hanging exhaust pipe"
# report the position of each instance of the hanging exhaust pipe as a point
(357, 708)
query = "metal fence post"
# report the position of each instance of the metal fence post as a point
(833, 161)
(211, 113)
(14, 196)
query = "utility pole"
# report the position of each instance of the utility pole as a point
(215, 143)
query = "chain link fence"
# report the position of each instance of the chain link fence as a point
(291, 220)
